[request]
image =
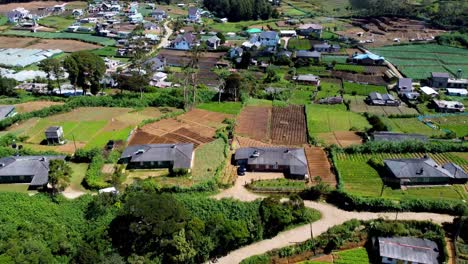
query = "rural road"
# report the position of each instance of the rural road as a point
(331, 216)
(165, 40)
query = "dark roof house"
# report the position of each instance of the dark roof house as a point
(392, 136)
(407, 250)
(172, 156)
(375, 98)
(423, 171)
(291, 161)
(308, 54)
(26, 169)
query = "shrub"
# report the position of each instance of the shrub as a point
(94, 178)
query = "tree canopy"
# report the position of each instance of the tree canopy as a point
(85, 69)
(237, 10)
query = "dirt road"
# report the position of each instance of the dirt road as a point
(165, 40)
(331, 216)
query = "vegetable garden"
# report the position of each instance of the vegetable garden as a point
(62, 35)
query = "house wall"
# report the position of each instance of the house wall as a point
(386, 260)
(269, 42)
(16, 179)
(183, 45)
(437, 82)
(151, 165)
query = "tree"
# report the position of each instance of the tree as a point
(47, 67)
(232, 86)
(58, 72)
(245, 60)
(85, 69)
(7, 86)
(59, 175)
(221, 36)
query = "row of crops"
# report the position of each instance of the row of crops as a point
(363, 89)
(418, 61)
(62, 35)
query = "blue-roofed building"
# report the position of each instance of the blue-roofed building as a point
(368, 59)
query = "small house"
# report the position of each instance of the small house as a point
(159, 15)
(54, 135)
(236, 52)
(33, 170)
(269, 39)
(395, 137)
(194, 15)
(404, 85)
(284, 54)
(429, 91)
(157, 63)
(135, 18)
(394, 250)
(368, 59)
(457, 92)
(184, 42)
(288, 33)
(411, 96)
(17, 14)
(150, 26)
(154, 156)
(59, 8)
(7, 111)
(457, 83)
(77, 12)
(375, 98)
(291, 161)
(305, 54)
(308, 79)
(422, 171)
(325, 47)
(307, 30)
(331, 100)
(439, 79)
(213, 42)
(449, 106)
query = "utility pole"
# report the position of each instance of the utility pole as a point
(311, 231)
(74, 143)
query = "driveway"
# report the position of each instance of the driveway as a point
(165, 40)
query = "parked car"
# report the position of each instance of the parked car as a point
(241, 171)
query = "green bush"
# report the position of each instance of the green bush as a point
(94, 178)
(410, 146)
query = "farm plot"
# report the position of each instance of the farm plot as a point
(34, 5)
(86, 127)
(37, 43)
(299, 44)
(326, 119)
(362, 89)
(418, 61)
(328, 88)
(319, 165)
(455, 123)
(62, 35)
(197, 127)
(34, 105)
(358, 105)
(410, 125)
(360, 178)
(288, 125)
(363, 78)
(254, 122)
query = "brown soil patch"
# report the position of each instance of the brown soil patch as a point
(66, 45)
(68, 148)
(253, 122)
(341, 138)
(34, 105)
(244, 142)
(319, 165)
(288, 125)
(108, 169)
(324, 258)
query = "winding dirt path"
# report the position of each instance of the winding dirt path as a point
(331, 216)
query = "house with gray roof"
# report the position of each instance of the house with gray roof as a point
(54, 135)
(26, 169)
(375, 98)
(396, 137)
(184, 42)
(194, 15)
(291, 161)
(439, 79)
(159, 14)
(394, 250)
(213, 42)
(153, 156)
(307, 30)
(308, 79)
(269, 39)
(404, 85)
(305, 54)
(326, 47)
(7, 111)
(423, 171)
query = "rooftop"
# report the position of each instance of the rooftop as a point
(180, 154)
(24, 57)
(6, 110)
(35, 166)
(414, 250)
(392, 136)
(440, 75)
(422, 168)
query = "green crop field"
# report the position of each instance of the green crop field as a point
(3, 20)
(86, 127)
(328, 89)
(410, 125)
(61, 35)
(276, 184)
(232, 108)
(350, 68)
(418, 61)
(326, 118)
(360, 178)
(351, 256)
(363, 89)
(58, 22)
(455, 123)
(301, 97)
(337, 59)
(299, 44)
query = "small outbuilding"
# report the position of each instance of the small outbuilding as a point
(54, 135)
(406, 250)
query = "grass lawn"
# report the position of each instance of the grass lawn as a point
(300, 97)
(351, 256)
(58, 22)
(410, 125)
(284, 184)
(207, 158)
(328, 89)
(329, 118)
(87, 126)
(299, 44)
(3, 20)
(232, 108)
(14, 187)
(350, 68)
(105, 51)
(363, 89)
(360, 178)
(454, 123)
(259, 102)
(79, 171)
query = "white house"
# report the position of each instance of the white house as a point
(136, 18)
(429, 91)
(17, 14)
(194, 15)
(457, 92)
(60, 8)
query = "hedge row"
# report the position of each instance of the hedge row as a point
(410, 146)
(94, 178)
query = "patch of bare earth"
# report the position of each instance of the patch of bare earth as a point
(66, 45)
(34, 105)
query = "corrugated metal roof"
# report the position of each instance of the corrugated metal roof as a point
(412, 249)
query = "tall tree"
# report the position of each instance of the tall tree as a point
(47, 67)
(59, 175)
(85, 69)
(7, 86)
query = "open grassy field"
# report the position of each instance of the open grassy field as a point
(362, 89)
(410, 125)
(299, 44)
(360, 178)
(62, 35)
(328, 88)
(86, 127)
(232, 108)
(350, 68)
(326, 118)
(418, 61)
(58, 22)
(79, 171)
(302, 97)
(276, 184)
(456, 123)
